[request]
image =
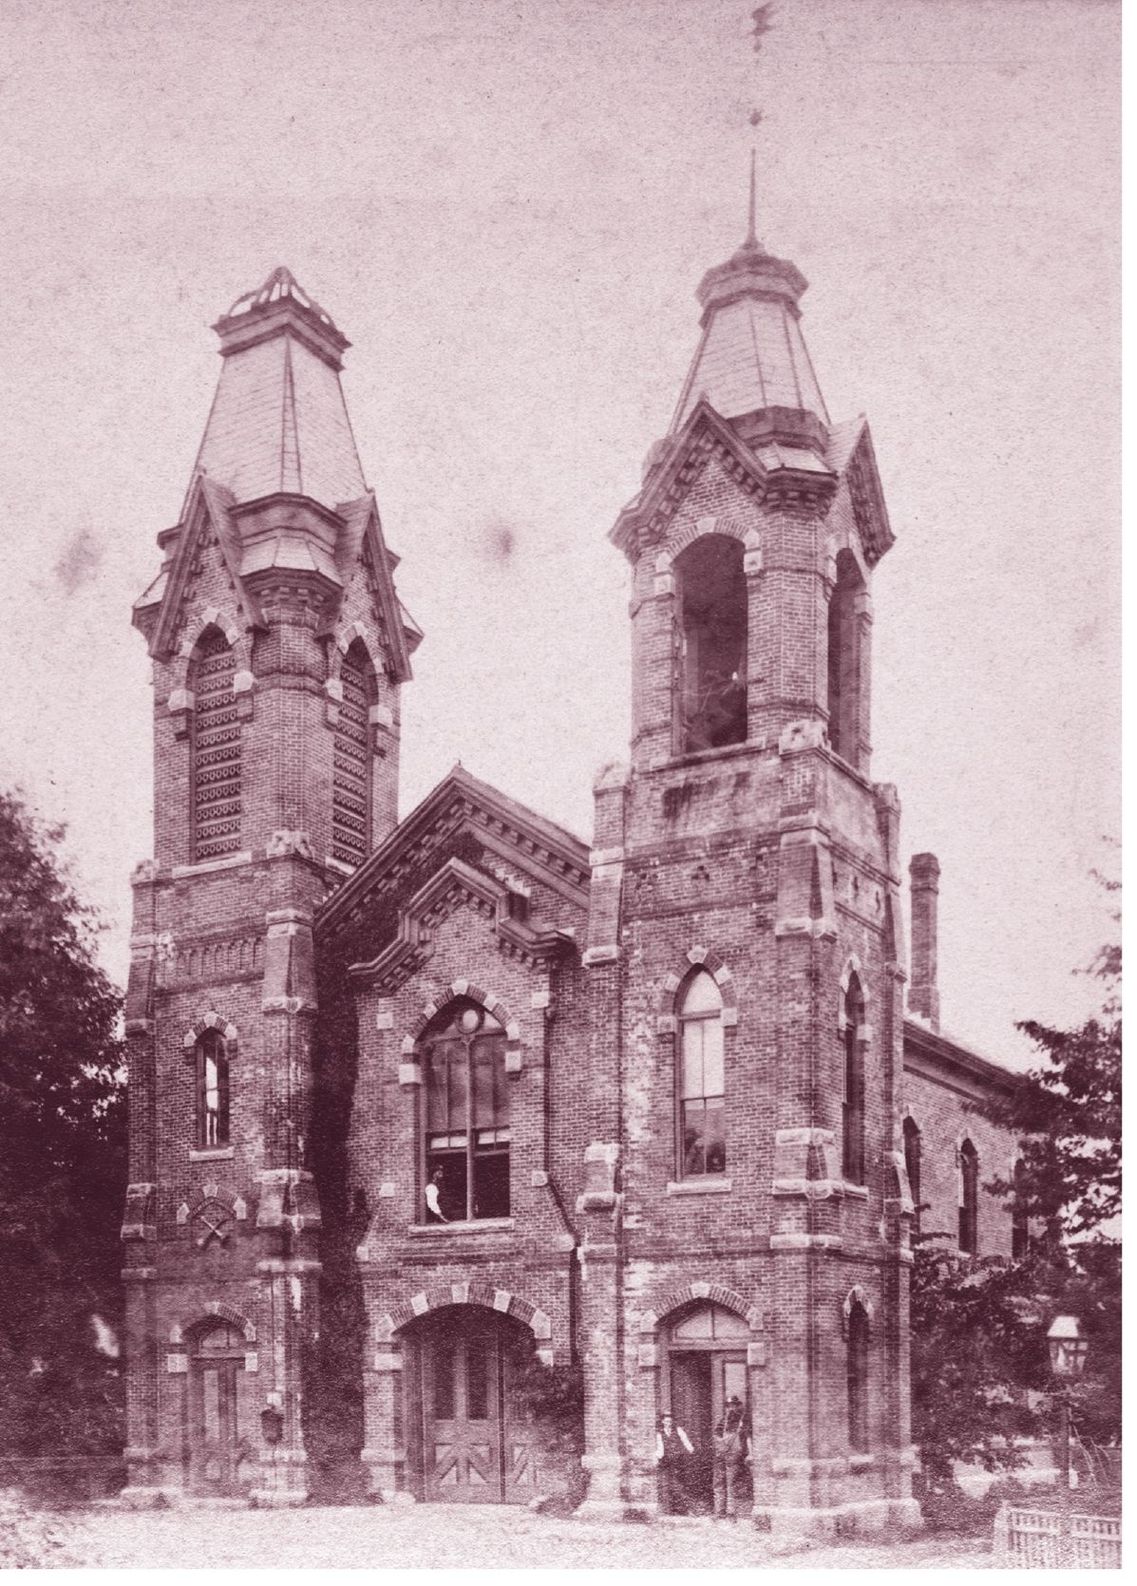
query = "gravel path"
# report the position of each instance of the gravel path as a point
(440, 1536)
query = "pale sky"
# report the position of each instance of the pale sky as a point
(507, 208)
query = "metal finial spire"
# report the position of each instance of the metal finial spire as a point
(752, 220)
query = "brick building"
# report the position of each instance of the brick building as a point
(427, 1113)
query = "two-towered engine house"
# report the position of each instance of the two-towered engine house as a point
(428, 1115)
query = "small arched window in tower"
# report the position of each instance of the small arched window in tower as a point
(968, 1199)
(216, 749)
(912, 1145)
(1020, 1219)
(853, 1107)
(711, 638)
(212, 1090)
(702, 1098)
(466, 1136)
(858, 1377)
(351, 767)
(845, 659)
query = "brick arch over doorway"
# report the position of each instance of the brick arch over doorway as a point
(502, 1301)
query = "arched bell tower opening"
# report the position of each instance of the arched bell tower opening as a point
(845, 659)
(710, 693)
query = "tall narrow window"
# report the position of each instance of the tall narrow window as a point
(711, 638)
(351, 772)
(216, 749)
(1020, 1220)
(845, 659)
(912, 1145)
(702, 1099)
(968, 1199)
(466, 1146)
(212, 1090)
(858, 1377)
(853, 1110)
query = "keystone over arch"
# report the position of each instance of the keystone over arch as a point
(697, 957)
(701, 1290)
(483, 1295)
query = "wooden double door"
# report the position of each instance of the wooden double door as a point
(476, 1444)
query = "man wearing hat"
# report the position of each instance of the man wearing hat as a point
(731, 1444)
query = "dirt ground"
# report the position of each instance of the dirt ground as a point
(441, 1536)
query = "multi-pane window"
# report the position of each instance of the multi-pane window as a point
(853, 1110)
(351, 755)
(968, 1199)
(216, 749)
(702, 1110)
(858, 1377)
(912, 1144)
(212, 1090)
(467, 1114)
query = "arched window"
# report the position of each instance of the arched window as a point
(968, 1199)
(351, 758)
(858, 1377)
(216, 749)
(853, 1108)
(845, 659)
(1020, 1219)
(912, 1146)
(711, 639)
(466, 1144)
(702, 1100)
(212, 1090)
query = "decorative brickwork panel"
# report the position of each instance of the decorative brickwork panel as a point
(216, 750)
(351, 781)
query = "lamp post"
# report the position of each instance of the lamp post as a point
(1068, 1350)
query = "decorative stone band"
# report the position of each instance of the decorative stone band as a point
(798, 1242)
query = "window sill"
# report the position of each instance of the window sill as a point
(858, 1192)
(704, 1186)
(477, 1225)
(212, 1153)
(861, 1462)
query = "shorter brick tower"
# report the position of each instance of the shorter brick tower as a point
(279, 648)
(745, 1220)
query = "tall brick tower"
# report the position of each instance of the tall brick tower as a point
(279, 648)
(746, 1209)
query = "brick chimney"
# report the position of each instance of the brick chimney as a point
(923, 991)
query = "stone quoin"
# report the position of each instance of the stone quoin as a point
(432, 1118)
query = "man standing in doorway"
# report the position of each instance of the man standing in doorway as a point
(672, 1450)
(730, 1455)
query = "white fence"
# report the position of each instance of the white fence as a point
(1049, 1539)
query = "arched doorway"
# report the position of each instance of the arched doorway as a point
(705, 1365)
(470, 1438)
(216, 1361)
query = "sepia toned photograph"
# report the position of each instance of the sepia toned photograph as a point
(560, 784)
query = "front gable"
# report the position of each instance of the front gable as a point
(466, 844)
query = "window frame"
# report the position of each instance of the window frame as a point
(968, 1198)
(685, 1020)
(853, 1152)
(446, 1025)
(213, 1040)
(913, 1135)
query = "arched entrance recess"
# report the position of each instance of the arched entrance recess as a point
(216, 1361)
(470, 1435)
(704, 1359)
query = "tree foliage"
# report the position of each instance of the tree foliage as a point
(62, 1156)
(977, 1338)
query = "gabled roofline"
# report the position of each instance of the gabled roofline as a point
(958, 1061)
(561, 844)
(401, 642)
(204, 495)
